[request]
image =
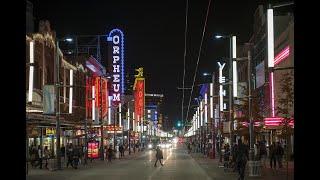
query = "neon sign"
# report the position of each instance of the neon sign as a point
(139, 98)
(282, 55)
(222, 79)
(276, 121)
(116, 39)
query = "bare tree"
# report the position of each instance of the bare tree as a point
(285, 109)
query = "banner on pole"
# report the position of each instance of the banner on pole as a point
(49, 97)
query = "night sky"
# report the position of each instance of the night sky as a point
(154, 35)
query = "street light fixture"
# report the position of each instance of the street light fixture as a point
(69, 39)
(233, 81)
(218, 36)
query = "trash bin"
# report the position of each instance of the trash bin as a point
(254, 168)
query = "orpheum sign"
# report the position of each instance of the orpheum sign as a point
(139, 93)
(116, 63)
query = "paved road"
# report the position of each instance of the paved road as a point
(177, 165)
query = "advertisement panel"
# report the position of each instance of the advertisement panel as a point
(93, 150)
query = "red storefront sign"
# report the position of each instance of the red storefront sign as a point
(101, 95)
(93, 149)
(139, 93)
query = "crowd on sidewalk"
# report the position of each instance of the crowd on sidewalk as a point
(74, 155)
(235, 158)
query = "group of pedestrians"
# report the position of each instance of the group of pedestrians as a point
(74, 155)
(37, 156)
(240, 155)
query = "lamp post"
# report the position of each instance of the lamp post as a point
(251, 123)
(232, 80)
(101, 122)
(57, 89)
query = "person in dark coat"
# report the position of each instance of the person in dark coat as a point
(76, 156)
(242, 157)
(70, 155)
(121, 150)
(110, 153)
(279, 154)
(159, 156)
(272, 155)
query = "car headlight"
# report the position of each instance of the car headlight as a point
(149, 145)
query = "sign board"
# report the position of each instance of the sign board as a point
(93, 150)
(50, 131)
(139, 98)
(116, 56)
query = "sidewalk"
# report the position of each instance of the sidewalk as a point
(216, 172)
(94, 163)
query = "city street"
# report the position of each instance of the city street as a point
(177, 165)
(214, 89)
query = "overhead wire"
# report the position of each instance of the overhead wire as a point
(195, 72)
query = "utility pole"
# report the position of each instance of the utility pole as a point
(101, 120)
(251, 152)
(231, 94)
(58, 107)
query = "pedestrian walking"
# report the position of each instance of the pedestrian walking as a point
(189, 148)
(234, 157)
(226, 156)
(46, 156)
(159, 156)
(110, 153)
(121, 150)
(263, 152)
(272, 155)
(242, 157)
(76, 157)
(70, 155)
(279, 154)
(40, 157)
(33, 156)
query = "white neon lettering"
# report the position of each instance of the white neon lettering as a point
(116, 97)
(116, 39)
(116, 87)
(116, 78)
(115, 59)
(115, 49)
(116, 68)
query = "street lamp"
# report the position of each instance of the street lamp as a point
(57, 85)
(232, 79)
(69, 39)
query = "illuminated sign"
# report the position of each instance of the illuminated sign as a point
(116, 39)
(282, 55)
(276, 121)
(270, 37)
(93, 149)
(222, 79)
(139, 97)
(50, 131)
(113, 128)
(98, 91)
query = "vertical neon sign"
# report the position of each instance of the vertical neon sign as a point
(116, 39)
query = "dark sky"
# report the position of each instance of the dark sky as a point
(154, 35)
